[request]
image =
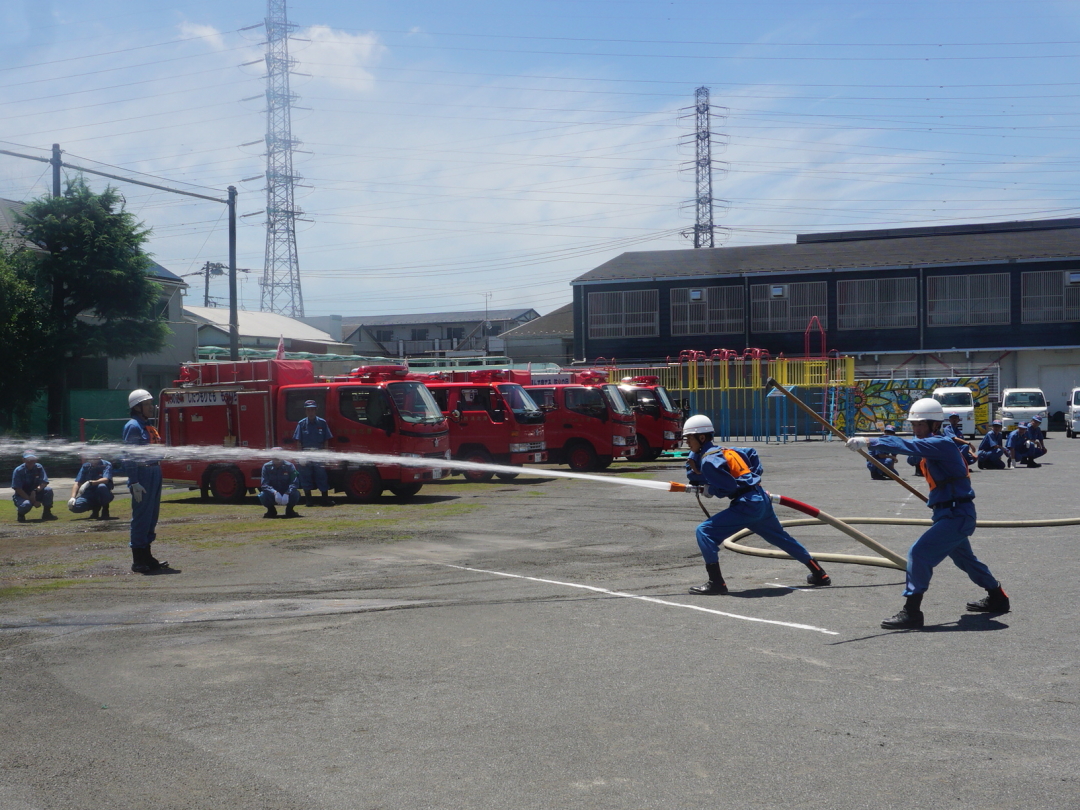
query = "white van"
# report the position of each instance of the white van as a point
(1072, 414)
(959, 401)
(1019, 405)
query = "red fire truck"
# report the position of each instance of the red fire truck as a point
(257, 404)
(658, 418)
(588, 426)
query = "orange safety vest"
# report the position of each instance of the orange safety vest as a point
(930, 479)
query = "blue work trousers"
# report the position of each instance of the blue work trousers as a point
(758, 517)
(144, 512)
(947, 537)
(45, 498)
(267, 498)
(992, 459)
(877, 474)
(312, 475)
(96, 496)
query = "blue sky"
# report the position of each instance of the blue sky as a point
(457, 153)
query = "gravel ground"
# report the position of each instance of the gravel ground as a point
(443, 654)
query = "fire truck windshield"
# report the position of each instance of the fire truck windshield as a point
(665, 399)
(518, 400)
(616, 401)
(414, 403)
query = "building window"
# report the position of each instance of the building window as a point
(877, 303)
(419, 334)
(455, 333)
(384, 335)
(631, 313)
(975, 300)
(706, 310)
(1050, 296)
(787, 307)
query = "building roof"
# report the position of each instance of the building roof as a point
(854, 250)
(258, 324)
(474, 316)
(557, 323)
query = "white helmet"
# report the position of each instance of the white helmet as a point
(697, 424)
(137, 396)
(926, 410)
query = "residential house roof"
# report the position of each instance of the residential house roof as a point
(557, 323)
(258, 324)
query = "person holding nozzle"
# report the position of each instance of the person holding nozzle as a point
(30, 485)
(992, 449)
(144, 482)
(313, 433)
(885, 457)
(92, 490)
(1021, 449)
(735, 474)
(953, 502)
(279, 485)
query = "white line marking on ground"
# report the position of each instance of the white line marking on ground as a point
(787, 587)
(904, 502)
(643, 599)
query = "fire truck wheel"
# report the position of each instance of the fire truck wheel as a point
(363, 485)
(603, 462)
(227, 485)
(581, 457)
(403, 491)
(506, 476)
(642, 451)
(477, 455)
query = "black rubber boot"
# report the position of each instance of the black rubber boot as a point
(21, 518)
(995, 601)
(910, 616)
(47, 514)
(95, 513)
(308, 500)
(290, 512)
(139, 564)
(105, 513)
(1032, 462)
(155, 565)
(327, 500)
(817, 575)
(715, 586)
(271, 512)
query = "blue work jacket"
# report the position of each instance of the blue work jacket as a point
(28, 477)
(312, 433)
(715, 470)
(279, 478)
(941, 463)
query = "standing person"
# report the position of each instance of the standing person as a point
(953, 502)
(92, 489)
(31, 488)
(885, 457)
(279, 486)
(144, 481)
(313, 433)
(992, 448)
(1020, 448)
(735, 474)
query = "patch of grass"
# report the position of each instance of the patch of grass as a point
(29, 589)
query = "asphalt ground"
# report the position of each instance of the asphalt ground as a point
(443, 654)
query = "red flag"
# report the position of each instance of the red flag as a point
(281, 348)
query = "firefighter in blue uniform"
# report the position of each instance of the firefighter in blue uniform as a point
(143, 473)
(886, 458)
(955, 430)
(992, 448)
(1020, 448)
(1037, 437)
(30, 485)
(279, 486)
(953, 502)
(92, 490)
(735, 474)
(313, 433)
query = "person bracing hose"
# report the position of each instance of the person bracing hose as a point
(735, 473)
(953, 502)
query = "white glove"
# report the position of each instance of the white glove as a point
(137, 491)
(83, 488)
(858, 444)
(706, 491)
(71, 504)
(281, 500)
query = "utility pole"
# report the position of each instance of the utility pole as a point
(703, 166)
(281, 269)
(56, 164)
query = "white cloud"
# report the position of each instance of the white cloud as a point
(213, 36)
(347, 57)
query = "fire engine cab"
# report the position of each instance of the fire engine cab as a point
(658, 418)
(257, 403)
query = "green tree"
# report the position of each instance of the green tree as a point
(20, 331)
(90, 275)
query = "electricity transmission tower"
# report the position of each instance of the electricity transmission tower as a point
(281, 269)
(703, 170)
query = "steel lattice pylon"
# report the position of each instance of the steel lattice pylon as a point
(704, 228)
(281, 269)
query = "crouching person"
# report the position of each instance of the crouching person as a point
(93, 489)
(279, 486)
(30, 488)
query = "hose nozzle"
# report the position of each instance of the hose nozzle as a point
(691, 488)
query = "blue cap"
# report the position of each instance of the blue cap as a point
(1036, 419)
(311, 404)
(996, 422)
(1023, 425)
(890, 429)
(30, 454)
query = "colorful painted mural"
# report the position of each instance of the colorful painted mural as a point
(877, 403)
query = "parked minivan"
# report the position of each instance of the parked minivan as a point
(1019, 405)
(959, 401)
(1072, 414)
